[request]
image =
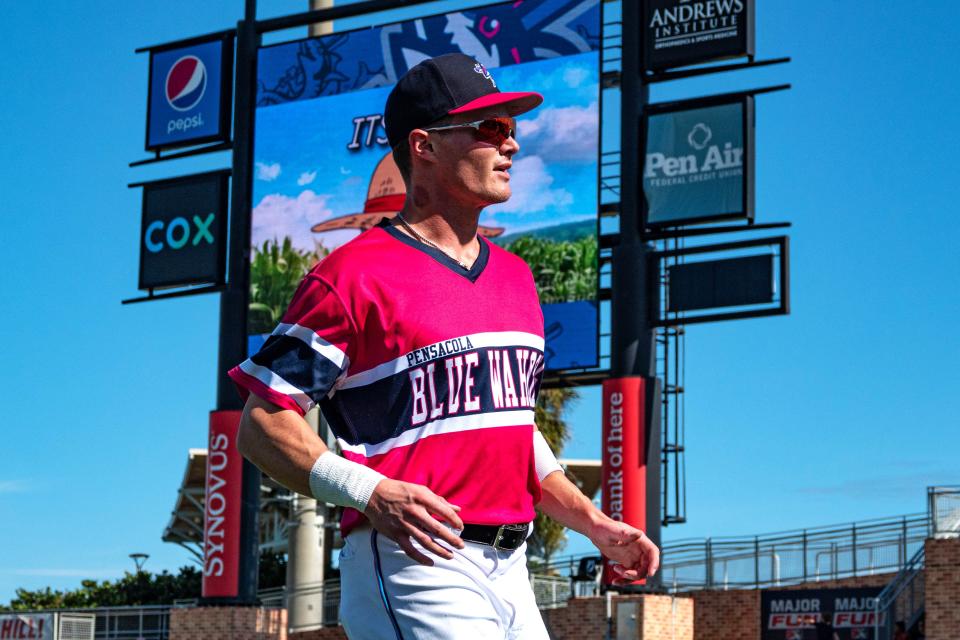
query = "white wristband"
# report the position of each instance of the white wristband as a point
(339, 481)
(543, 457)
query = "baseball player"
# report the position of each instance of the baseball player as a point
(422, 342)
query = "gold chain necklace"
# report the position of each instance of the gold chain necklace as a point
(406, 225)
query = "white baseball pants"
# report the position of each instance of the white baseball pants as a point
(482, 593)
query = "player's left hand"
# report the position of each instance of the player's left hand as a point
(634, 554)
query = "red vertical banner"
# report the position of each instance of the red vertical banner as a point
(624, 468)
(221, 517)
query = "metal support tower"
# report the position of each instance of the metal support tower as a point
(234, 299)
(670, 368)
(634, 297)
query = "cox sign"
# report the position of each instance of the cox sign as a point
(183, 230)
(179, 232)
(190, 92)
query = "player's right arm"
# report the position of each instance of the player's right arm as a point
(281, 443)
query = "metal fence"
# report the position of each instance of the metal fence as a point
(808, 555)
(74, 626)
(326, 593)
(123, 623)
(551, 591)
(943, 504)
(140, 623)
(790, 557)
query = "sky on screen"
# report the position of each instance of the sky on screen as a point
(305, 174)
(844, 410)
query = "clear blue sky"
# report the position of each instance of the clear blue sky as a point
(844, 410)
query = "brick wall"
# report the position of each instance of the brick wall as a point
(667, 618)
(735, 614)
(582, 617)
(661, 618)
(228, 623)
(726, 615)
(942, 559)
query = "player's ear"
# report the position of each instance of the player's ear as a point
(421, 146)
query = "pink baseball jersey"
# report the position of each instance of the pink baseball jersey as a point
(425, 371)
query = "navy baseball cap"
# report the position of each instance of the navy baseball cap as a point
(448, 84)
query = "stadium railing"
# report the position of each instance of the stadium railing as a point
(147, 622)
(783, 558)
(903, 599)
(943, 504)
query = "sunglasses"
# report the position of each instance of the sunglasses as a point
(493, 131)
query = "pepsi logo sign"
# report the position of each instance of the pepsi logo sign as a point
(186, 83)
(189, 94)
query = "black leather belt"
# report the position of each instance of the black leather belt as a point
(506, 537)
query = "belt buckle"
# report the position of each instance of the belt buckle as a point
(498, 538)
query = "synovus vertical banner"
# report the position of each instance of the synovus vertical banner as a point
(221, 522)
(624, 477)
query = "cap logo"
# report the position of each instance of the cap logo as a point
(479, 68)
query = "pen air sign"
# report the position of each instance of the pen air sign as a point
(699, 162)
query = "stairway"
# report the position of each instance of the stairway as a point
(902, 599)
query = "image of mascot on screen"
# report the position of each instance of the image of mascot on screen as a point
(324, 171)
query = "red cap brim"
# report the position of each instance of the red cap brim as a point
(515, 102)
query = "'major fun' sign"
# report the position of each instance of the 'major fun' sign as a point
(809, 614)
